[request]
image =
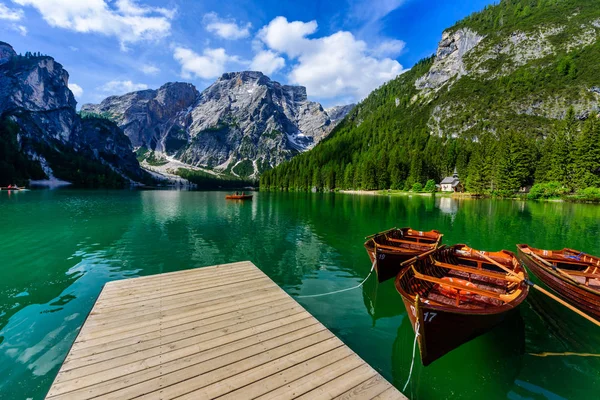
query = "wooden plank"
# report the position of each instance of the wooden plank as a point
(196, 298)
(223, 380)
(166, 284)
(223, 331)
(175, 316)
(199, 326)
(300, 370)
(172, 351)
(153, 378)
(265, 301)
(366, 390)
(341, 384)
(390, 394)
(314, 379)
(187, 336)
(166, 275)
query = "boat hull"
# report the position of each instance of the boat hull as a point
(585, 300)
(388, 262)
(239, 197)
(441, 331)
(389, 253)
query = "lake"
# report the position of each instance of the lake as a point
(60, 247)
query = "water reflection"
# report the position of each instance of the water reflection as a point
(69, 243)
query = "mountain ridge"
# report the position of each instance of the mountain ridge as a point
(243, 118)
(43, 137)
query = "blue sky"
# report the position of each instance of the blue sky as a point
(339, 49)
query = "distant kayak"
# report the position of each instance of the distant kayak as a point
(239, 197)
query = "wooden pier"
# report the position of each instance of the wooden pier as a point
(226, 331)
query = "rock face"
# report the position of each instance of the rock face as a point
(148, 117)
(6, 52)
(448, 62)
(513, 57)
(243, 123)
(34, 93)
(337, 113)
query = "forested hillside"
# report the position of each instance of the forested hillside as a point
(510, 99)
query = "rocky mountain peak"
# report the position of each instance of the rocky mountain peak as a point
(34, 94)
(6, 52)
(243, 123)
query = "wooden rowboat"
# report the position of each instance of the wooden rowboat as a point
(239, 197)
(573, 275)
(390, 248)
(455, 294)
(12, 188)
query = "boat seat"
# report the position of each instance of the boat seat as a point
(507, 298)
(482, 272)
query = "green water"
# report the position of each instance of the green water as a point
(58, 248)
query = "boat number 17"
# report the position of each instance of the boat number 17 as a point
(427, 317)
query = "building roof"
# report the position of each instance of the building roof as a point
(450, 180)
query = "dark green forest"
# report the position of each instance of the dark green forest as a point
(387, 141)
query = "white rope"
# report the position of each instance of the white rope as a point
(413, 356)
(343, 290)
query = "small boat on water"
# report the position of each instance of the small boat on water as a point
(389, 248)
(573, 275)
(457, 293)
(12, 188)
(242, 196)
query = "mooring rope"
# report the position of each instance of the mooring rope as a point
(413, 356)
(566, 353)
(343, 290)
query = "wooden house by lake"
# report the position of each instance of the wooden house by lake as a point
(451, 183)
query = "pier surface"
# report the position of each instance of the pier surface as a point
(226, 331)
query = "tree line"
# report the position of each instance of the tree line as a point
(499, 163)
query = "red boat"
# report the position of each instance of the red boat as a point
(11, 188)
(572, 274)
(239, 196)
(455, 294)
(394, 246)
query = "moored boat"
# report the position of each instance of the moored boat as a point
(388, 249)
(457, 293)
(573, 275)
(238, 197)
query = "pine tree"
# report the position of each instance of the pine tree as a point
(561, 155)
(349, 177)
(477, 182)
(586, 160)
(515, 161)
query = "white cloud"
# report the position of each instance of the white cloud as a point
(267, 62)
(123, 19)
(9, 14)
(225, 28)
(288, 37)
(331, 66)
(122, 87)
(149, 69)
(373, 10)
(21, 29)
(73, 48)
(389, 48)
(76, 89)
(211, 64)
